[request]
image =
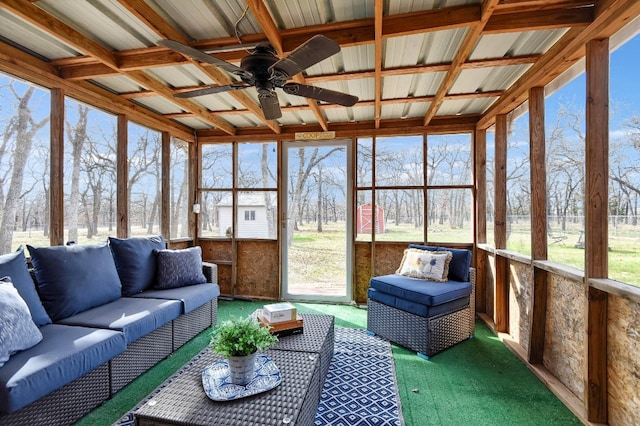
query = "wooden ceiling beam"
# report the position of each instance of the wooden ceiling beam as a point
(360, 104)
(469, 41)
(350, 33)
(539, 20)
(395, 127)
(378, 17)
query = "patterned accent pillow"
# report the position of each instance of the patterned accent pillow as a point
(424, 264)
(178, 268)
(17, 330)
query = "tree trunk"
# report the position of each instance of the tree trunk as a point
(77, 137)
(23, 128)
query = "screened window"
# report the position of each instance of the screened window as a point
(565, 155)
(624, 166)
(246, 194)
(179, 189)
(144, 157)
(24, 165)
(519, 186)
(89, 173)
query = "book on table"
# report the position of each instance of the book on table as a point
(282, 328)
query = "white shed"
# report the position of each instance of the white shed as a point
(252, 216)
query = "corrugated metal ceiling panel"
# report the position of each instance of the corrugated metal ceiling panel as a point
(159, 104)
(487, 79)
(428, 48)
(118, 84)
(515, 44)
(201, 20)
(105, 21)
(464, 106)
(194, 123)
(414, 85)
(219, 102)
(24, 34)
(242, 120)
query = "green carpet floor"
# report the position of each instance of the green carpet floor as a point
(477, 382)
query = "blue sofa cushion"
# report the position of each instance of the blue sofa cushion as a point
(417, 308)
(14, 265)
(429, 293)
(460, 262)
(72, 279)
(17, 330)
(192, 297)
(65, 354)
(135, 317)
(179, 268)
(135, 261)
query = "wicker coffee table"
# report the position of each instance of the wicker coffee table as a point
(302, 360)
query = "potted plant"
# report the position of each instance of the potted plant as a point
(239, 339)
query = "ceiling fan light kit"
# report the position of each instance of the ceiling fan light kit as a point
(263, 70)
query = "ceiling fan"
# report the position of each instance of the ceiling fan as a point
(263, 70)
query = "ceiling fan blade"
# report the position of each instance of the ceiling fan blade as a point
(309, 53)
(270, 105)
(232, 48)
(320, 94)
(199, 55)
(211, 90)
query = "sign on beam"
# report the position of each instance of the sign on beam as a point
(314, 136)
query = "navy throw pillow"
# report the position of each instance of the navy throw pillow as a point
(178, 268)
(459, 265)
(72, 279)
(460, 262)
(14, 266)
(136, 261)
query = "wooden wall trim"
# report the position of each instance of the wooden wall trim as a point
(480, 173)
(596, 226)
(165, 192)
(500, 182)
(122, 178)
(538, 223)
(56, 186)
(501, 299)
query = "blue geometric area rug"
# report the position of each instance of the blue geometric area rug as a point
(360, 388)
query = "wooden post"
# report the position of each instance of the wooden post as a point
(538, 222)
(165, 194)
(480, 173)
(195, 177)
(56, 186)
(122, 178)
(501, 301)
(596, 224)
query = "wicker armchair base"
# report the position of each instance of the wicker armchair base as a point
(65, 405)
(427, 336)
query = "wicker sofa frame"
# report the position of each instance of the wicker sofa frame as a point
(425, 335)
(72, 401)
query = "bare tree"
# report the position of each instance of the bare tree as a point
(19, 132)
(76, 136)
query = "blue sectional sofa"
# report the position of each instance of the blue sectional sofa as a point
(425, 313)
(105, 314)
